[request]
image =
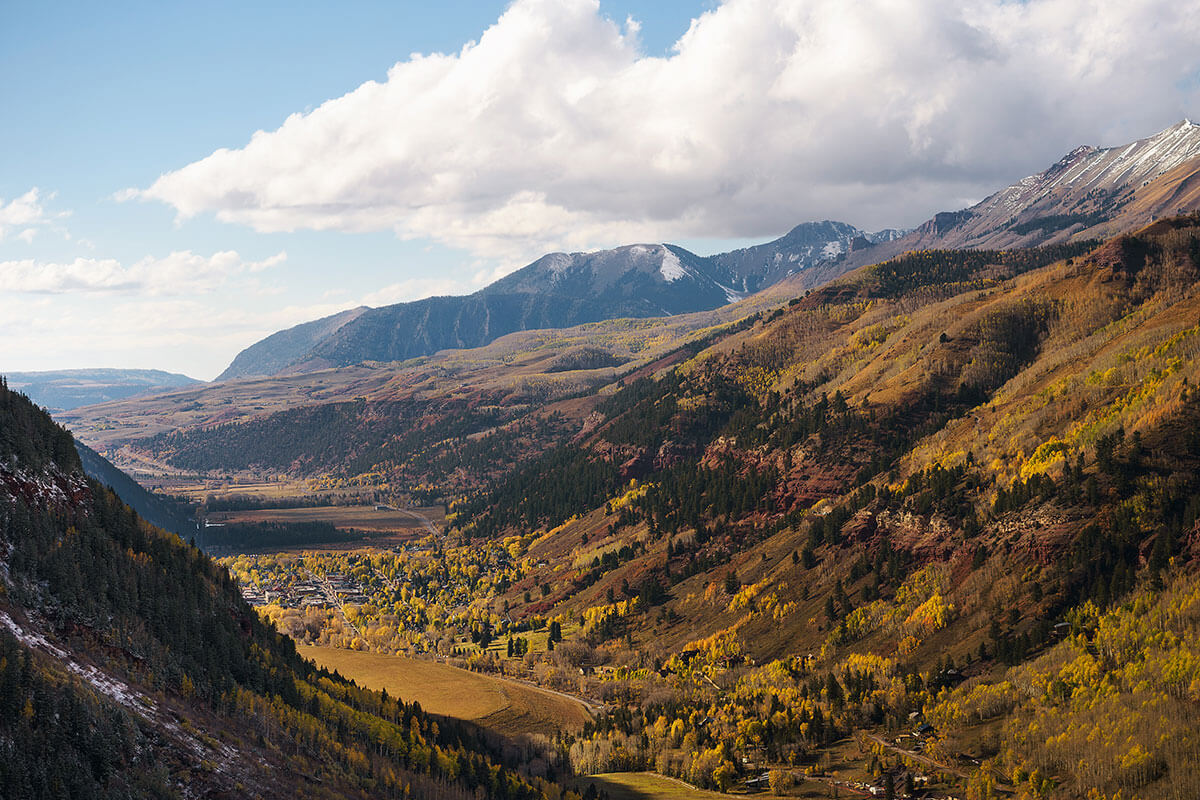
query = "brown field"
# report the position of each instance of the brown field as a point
(501, 705)
(198, 489)
(649, 786)
(412, 523)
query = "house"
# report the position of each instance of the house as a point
(758, 783)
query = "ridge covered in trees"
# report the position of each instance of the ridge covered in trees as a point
(131, 666)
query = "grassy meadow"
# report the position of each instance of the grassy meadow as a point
(501, 705)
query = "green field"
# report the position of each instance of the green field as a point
(504, 706)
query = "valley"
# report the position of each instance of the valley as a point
(928, 527)
(600, 400)
(833, 539)
(402, 524)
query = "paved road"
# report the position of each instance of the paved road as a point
(331, 596)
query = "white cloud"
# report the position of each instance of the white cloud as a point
(196, 336)
(24, 213)
(181, 272)
(555, 130)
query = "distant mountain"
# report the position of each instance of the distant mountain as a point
(1090, 193)
(814, 248)
(280, 350)
(62, 390)
(558, 290)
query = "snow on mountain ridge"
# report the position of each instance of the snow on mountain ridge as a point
(672, 269)
(560, 290)
(1087, 167)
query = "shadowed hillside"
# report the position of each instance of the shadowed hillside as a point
(131, 666)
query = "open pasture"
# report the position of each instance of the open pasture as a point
(502, 705)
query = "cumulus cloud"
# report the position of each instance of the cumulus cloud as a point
(181, 272)
(555, 130)
(23, 215)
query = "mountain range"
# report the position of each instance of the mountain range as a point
(928, 528)
(1090, 193)
(62, 390)
(558, 290)
(957, 484)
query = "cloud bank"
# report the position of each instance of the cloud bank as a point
(63, 333)
(554, 129)
(180, 273)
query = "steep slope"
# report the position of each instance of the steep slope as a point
(280, 350)
(556, 291)
(130, 666)
(62, 390)
(1082, 192)
(1090, 193)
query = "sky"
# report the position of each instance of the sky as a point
(182, 179)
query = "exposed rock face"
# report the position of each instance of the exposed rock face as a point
(50, 488)
(926, 537)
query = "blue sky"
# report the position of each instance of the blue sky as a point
(128, 240)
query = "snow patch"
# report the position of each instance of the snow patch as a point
(833, 249)
(672, 268)
(732, 295)
(126, 696)
(557, 262)
(100, 681)
(49, 487)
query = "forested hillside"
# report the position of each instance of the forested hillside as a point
(131, 666)
(960, 488)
